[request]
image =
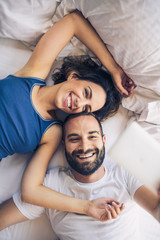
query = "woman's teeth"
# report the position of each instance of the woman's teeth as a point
(69, 101)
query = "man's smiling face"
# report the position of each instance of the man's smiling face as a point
(84, 144)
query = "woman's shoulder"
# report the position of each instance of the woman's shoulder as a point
(29, 78)
(26, 78)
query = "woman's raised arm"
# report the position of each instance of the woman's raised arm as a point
(57, 37)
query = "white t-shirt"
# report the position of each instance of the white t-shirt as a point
(116, 183)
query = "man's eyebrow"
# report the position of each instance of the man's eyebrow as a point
(93, 132)
(77, 135)
(72, 135)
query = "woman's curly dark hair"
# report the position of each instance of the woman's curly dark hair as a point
(86, 69)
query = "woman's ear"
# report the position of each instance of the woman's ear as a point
(72, 75)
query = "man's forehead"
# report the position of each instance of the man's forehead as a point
(82, 123)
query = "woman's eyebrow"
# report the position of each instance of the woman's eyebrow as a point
(90, 92)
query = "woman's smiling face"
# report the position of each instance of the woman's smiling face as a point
(74, 96)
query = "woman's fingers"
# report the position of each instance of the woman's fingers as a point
(113, 210)
(122, 207)
(117, 208)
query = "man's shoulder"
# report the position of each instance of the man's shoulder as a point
(113, 167)
(56, 175)
(109, 163)
(58, 170)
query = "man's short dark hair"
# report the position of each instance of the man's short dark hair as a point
(71, 116)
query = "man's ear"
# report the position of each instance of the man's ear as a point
(63, 144)
(104, 139)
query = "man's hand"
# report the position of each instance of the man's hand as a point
(123, 83)
(104, 209)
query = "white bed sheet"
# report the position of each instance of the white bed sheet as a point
(14, 55)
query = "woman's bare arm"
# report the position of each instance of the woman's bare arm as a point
(32, 189)
(57, 37)
(9, 214)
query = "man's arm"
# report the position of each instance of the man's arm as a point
(9, 214)
(149, 201)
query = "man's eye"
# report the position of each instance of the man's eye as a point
(93, 137)
(74, 139)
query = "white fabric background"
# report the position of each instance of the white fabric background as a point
(131, 30)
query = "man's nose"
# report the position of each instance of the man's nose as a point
(84, 145)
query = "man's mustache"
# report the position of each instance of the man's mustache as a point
(80, 151)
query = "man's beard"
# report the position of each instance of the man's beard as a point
(85, 168)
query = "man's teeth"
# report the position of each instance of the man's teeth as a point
(86, 156)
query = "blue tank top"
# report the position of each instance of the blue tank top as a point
(21, 126)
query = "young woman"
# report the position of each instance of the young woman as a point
(27, 115)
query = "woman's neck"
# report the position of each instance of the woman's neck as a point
(43, 99)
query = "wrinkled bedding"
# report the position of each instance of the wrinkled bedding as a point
(131, 31)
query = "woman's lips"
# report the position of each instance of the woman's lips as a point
(68, 101)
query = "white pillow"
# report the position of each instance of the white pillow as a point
(26, 20)
(138, 102)
(132, 34)
(151, 113)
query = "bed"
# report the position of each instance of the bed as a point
(131, 31)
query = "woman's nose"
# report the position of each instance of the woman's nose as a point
(80, 103)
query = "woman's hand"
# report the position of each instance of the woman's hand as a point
(104, 209)
(122, 82)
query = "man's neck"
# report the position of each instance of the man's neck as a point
(97, 175)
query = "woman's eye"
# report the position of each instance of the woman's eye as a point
(87, 109)
(86, 93)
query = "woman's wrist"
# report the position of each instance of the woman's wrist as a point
(115, 69)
